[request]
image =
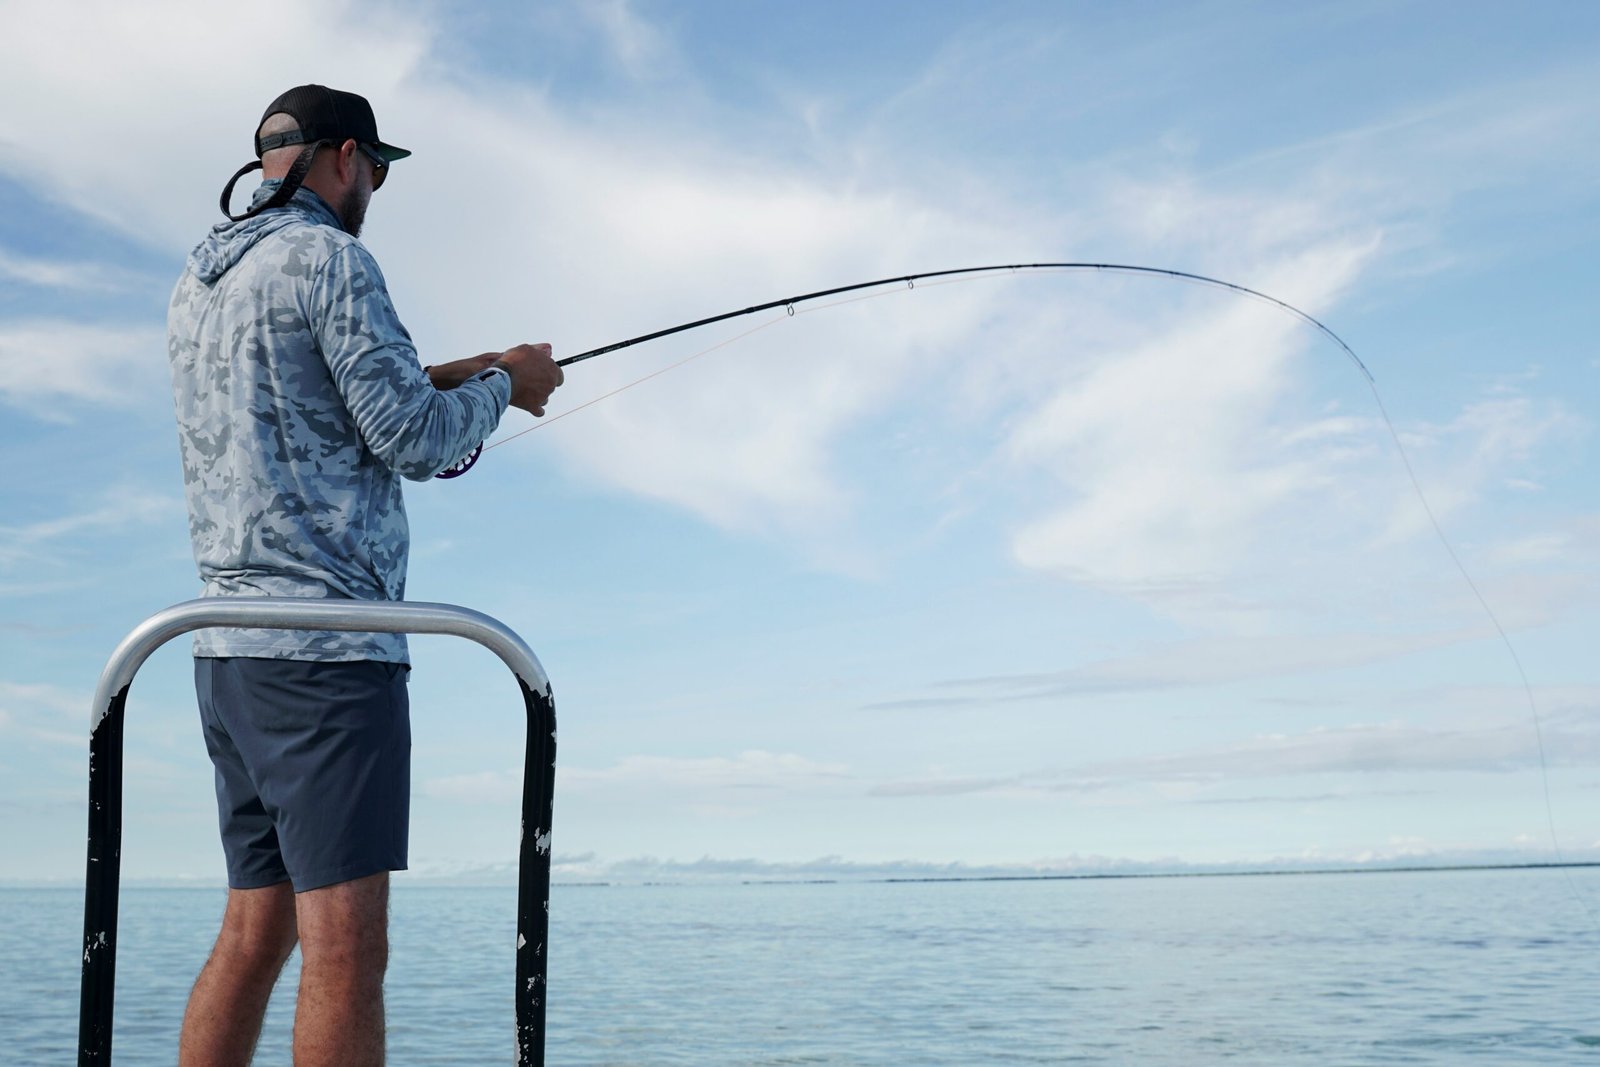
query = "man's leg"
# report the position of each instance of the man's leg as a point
(223, 1019)
(344, 950)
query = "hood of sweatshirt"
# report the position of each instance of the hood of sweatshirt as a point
(227, 242)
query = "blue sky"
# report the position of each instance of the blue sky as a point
(1037, 573)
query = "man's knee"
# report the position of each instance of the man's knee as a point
(262, 958)
(258, 927)
(346, 925)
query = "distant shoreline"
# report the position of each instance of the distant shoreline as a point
(1087, 876)
(1261, 873)
(1101, 876)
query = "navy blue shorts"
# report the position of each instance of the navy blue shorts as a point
(313, 767)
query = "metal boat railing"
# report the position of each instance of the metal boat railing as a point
(103, 877)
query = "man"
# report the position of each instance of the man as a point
(301, 403)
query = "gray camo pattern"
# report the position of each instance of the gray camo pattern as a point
(301, 404)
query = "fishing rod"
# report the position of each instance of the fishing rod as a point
(910, 280)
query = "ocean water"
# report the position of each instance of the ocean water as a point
(1494, 967)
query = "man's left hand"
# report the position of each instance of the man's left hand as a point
(450, 375)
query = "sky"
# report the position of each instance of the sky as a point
(1029, 574)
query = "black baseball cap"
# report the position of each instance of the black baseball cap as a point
(325, 114)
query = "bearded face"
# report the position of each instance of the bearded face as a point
(352, 208)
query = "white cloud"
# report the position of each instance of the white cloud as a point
(1367, 749)
(1162, 435)
(663, 233)
(639, 45)
(1193, 460)
(60, 274)
(1163, 438)
(948, 786)
(491, 788)
(149, 152)
(1459, 462)
(1577, 539)
(43, 363)
(1188, 434)
(665, 778)
(44, 712)
(1216, 660)
(1420, 160)
(116, 509)
(748, 770)
(1133, 433)
(515, 222)
(1509, 744)
(37, 698)
(1523, 599)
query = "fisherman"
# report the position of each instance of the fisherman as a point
(301, 404)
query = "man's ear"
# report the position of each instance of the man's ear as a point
(347, 163)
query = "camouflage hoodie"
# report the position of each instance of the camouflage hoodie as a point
(301, 404)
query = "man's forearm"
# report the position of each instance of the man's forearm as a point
(449, 375)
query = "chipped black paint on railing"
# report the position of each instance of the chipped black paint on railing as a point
(533, 880)
(101, 885)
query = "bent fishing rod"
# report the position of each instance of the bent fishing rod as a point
(910, 280)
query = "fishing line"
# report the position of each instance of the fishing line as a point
(965, 274)
(1511, 649)
(637, 381)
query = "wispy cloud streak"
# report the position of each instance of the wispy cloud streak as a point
(1377, 749)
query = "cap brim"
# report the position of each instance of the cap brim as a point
(390, 153)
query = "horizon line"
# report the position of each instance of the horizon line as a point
(433, 882)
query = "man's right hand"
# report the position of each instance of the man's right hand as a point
(534, 376)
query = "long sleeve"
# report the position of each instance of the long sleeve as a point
(413, 428)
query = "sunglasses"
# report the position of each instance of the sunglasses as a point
(380, 166)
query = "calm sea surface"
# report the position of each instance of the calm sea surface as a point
(1497, 967)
